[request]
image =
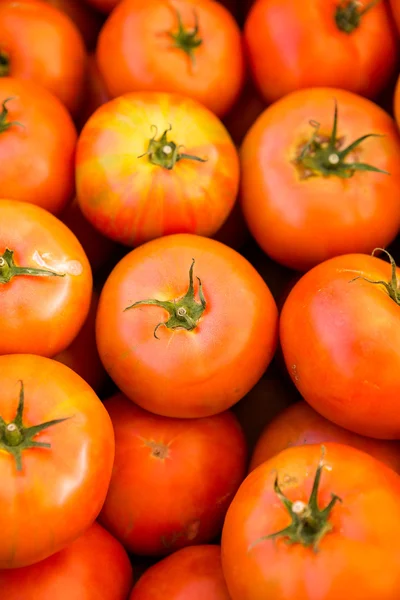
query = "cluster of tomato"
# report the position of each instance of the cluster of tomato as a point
(199, 346)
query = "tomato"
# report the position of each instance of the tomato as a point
(179, 348)
(82, 355)
(396, 103)
(45, 281)
(37, 146)
(153, 164)
(308, 527)
(57, 451)
(312, 186)
(350, 328)
(96, 93)
(40, 43)
(395, 9)
(347, 44)
(193, 573)
(299, 424)
(190, 47)
(95, 563)
(244, 113)
(187, 472)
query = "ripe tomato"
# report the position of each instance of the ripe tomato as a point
(94, 564)
(193, 573)
(308, 191)
(153, 164)
(45, 281)
(192, 47)
(195, 350)
(96, 93)
(40, 43)
(299, 424)
(306, 528)
(347, 44)
(350, 328)
(57, 451)
(395, 10)
(37, 146)
(187, 473)
(396, 104)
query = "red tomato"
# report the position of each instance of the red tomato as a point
(37, 146)
(349, 44)
(395, 9)
(198, 349)
(310, 528)
(40, 43)
(350, 328)
(187, 472)
(300, 424)
(171, 168)
(95, 564)
(193, 573)
(307, 193)
(57, 452)
(96, 93)
(190, 47)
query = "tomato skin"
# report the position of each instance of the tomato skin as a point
(60, 490)
(184, 373)
(367, 517)
(299, 221)
(45, 46)
(349, 373)
(45, 141)
(41, 315)
(297, 60)
(193, 573)
(396, 101)
(135, 52)
(395, 10)
(187, 473)
(131, 200)
(95, 563)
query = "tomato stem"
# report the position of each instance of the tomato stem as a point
(15, 437)
(186, 39)
(349, 13)
(322, 155)
(8, 269)
(164, 153)
(309, 524)
(4, 124)
(392, 286)
(183, 313)
(4, 64)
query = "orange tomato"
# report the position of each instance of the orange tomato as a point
(312, 185)
(45, 281)
(191, 47)
(57, 452)
(40, 43)
(178, 348)
(37, 146)
(151, 164)
(349, 44)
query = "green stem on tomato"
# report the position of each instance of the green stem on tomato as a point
(349, 13)
(8, 269)
(165, 153)
(187, 40)
(392, 286)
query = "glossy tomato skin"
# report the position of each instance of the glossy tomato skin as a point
(37, 152)
(185, 373)
(135, 51)
(299, 424)
(44, 45)
(60, 490)
(41, 315)
(367, 517)
(92, 567)
(193, 573)
(187, 473)
(350, 328)
(301, 220)
(323, 58)
(130, 199)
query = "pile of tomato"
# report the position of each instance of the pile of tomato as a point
(199, 299)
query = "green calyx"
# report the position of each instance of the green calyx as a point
(4, 64)
(184, 313)
(392, 286)
(322, 155)
(8, 269)
(186, 39)
(166, 154)
(4, 124)
(309, 523)
(349, 13)
(15, 437)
